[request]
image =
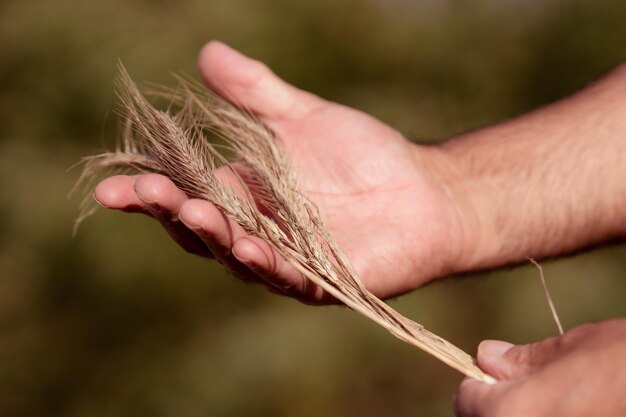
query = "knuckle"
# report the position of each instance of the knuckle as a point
(261, 67)
(578, 334)
(528, 357)
(521, 356)
(581, 330)
(547, 347)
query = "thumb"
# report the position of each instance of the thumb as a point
(506, 361)
(251, 84)
(491, 359)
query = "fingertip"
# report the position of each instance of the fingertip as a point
(461, 399)
(219, 65)
(491, 358)
(244, 250)
(277, 273)
(158, 190)
(494, 348)
(151, 185)
(212, 49)
(116, 192)
(249, 83)
(471, 398)
(205, 58)
(200, 215)
(251, 253)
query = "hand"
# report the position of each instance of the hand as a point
(379, 194)
(578, 374)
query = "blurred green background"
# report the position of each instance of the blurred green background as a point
(120, 322)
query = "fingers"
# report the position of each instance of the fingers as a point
(275, 271)
(490, 358)
(250, 84)
(196, 225)
(118, 193)
(163, 200)
(154, 195)
(526, 359)
(477, 399)
(506, 361)
(218, 233)
(159, 194)
(200, 228)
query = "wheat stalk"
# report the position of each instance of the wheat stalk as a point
(173, 143)
(546, 292)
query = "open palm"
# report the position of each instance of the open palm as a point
(378, 193)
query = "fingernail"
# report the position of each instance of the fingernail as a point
(493, 348)
(244, 253)
(241, 257)
(96, 199)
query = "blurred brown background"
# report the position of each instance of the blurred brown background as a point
(120, 322)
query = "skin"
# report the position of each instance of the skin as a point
(544, 184)
(579, 374)
(353, 166)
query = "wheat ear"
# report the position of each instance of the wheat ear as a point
(173, 143)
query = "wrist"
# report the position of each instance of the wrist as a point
(543, 184)
(463, 248)
(475, 241)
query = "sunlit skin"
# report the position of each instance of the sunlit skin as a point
(396, 225)
(544, 184)
(579, 374)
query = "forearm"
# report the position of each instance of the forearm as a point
(547, 183)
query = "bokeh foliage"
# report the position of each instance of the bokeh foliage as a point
(120, 322)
